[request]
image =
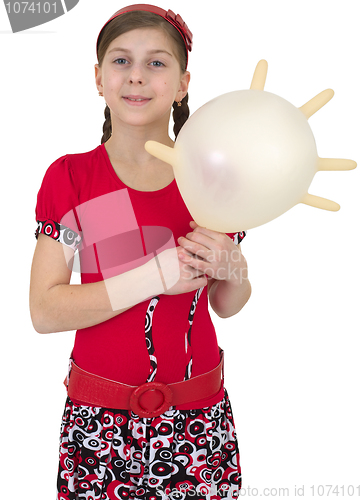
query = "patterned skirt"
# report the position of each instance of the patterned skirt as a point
(108, 454)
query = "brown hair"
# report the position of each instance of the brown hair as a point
(142, 19)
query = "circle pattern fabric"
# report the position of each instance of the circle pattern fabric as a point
(108, 454)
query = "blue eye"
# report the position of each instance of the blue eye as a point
(158, 63)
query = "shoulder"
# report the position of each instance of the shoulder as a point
(57, 171)
(75, 158)
(86, 156)
(71, 164)
(83, 163)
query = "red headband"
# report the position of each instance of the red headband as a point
(169, 15)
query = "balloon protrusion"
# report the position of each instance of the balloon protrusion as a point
(259, 76)
(317, 102)
(317, 202)
(328, 164)
(161, 151)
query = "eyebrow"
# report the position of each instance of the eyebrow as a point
(157, 51)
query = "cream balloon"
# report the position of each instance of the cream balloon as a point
(246, 157)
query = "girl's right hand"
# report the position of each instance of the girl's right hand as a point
(189, 278)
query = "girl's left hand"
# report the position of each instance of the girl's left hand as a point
(214, 254)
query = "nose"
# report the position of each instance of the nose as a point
(135, 80)
(136, 75)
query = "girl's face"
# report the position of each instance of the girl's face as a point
(141, 64)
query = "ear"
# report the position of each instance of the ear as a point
(98, 77)
(184, 85)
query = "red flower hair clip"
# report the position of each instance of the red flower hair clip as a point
(182, 27)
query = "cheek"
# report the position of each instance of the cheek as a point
(109, 82)
(167, 89)
(114, 80)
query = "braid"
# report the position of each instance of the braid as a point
(107, 127)
(180, 115)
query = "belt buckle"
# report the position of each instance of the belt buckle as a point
(152, 386)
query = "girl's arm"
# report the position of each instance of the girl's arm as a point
(228, 297)
(57, 306)
(215, 254)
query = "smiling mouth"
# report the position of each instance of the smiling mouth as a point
(137, 100)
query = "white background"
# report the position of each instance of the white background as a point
(293, 355)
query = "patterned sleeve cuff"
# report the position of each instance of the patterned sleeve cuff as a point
(238, 237)
(58, 232)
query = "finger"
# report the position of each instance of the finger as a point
(209, 242)
(203, 267)
(186, 252)
(198, 275)
(208, 232)
(193, 247)
(192, 260)
(200, 281)
(188, 268)
(193, 274)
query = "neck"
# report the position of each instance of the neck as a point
(127, 142)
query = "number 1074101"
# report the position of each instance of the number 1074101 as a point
(34, 7)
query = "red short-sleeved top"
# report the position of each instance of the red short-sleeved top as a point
(83, 204)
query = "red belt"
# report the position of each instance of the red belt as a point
(147, 400)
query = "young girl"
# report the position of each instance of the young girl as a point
(147, 415)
